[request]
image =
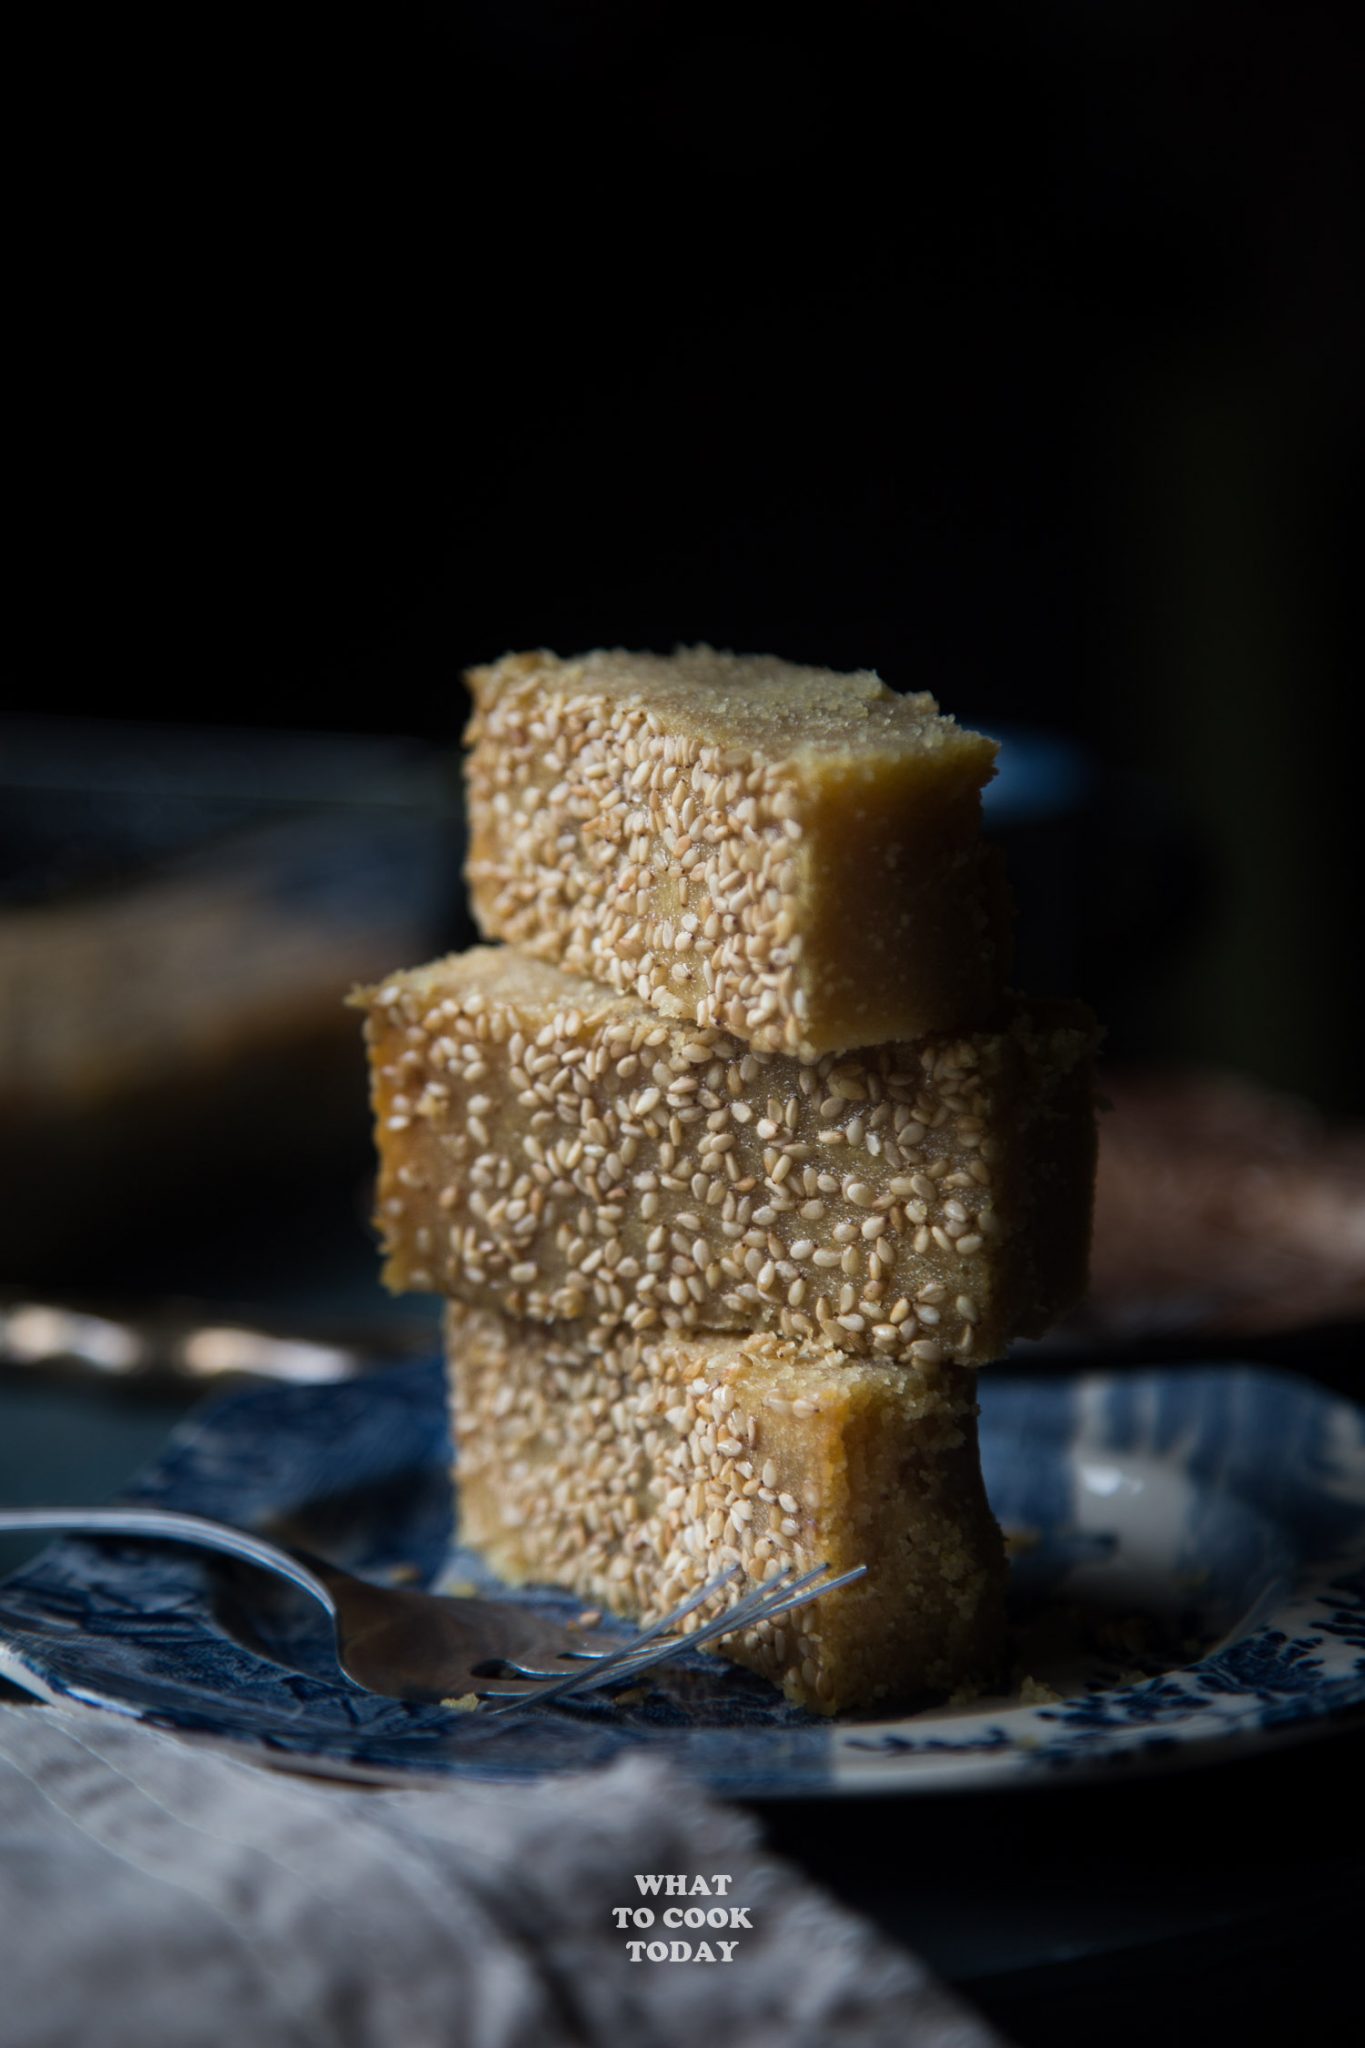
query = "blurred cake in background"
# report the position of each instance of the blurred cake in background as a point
(1224, 1208)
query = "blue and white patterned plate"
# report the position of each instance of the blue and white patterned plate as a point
(1189, 1577)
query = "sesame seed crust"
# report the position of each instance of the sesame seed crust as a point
(633, 1472)
(702, 831)
(561, 1153)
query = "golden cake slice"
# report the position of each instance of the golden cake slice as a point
(633, 1473)
(784, 853)
(553, 1150)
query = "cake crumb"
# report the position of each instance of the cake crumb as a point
(1035, 1692)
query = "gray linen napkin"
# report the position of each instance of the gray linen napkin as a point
(157, 1894)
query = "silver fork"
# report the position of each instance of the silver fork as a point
(429, 1646)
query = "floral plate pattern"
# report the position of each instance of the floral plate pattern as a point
(1189, 1577)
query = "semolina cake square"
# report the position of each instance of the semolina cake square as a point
(788, 854)
(633, 1473)
(553, 1150)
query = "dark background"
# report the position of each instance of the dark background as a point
(1012, 351)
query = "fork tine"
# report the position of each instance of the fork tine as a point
(659, 1628)
(670, 1620)
(779, 1595)
(795, 1598)
(773, 1598)
(599, 1662)
(625, 1655)
(627, 1659)
(640, 1654)
(767, 1600)
(752, 1606)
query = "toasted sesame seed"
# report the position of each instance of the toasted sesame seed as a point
(508, 1190)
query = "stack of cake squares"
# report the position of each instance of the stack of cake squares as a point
(734, 1158)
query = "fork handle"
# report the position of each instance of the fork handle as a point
(174, 1527)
